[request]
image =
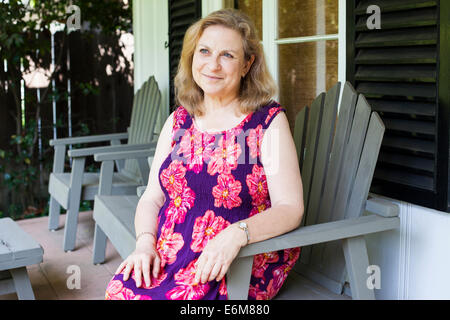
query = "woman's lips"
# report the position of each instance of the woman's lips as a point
(212, 77)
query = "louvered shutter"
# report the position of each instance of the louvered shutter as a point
(182, 13)
(397, 69)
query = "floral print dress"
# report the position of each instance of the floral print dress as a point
(210, 181)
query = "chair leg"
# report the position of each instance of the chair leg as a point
(22, 283)
(357, 261)
(76, 179)
(99, 245)
(70, 230)
(238, 278)
(53, 216)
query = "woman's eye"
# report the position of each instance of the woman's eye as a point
(228, 55)
(204, 51)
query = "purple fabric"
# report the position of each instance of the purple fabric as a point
(209, 181)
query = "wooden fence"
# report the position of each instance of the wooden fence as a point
(107, 110)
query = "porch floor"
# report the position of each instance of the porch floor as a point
(49, 278)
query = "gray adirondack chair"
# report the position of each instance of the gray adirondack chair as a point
(68, 188)
(337, 161)
(114, 214)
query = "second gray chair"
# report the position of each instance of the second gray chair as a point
(67, 189)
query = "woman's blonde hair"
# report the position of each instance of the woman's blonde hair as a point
(257, 87)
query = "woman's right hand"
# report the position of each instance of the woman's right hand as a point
(144, 258)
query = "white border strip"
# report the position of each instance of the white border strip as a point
(308, 39)
(405, 250)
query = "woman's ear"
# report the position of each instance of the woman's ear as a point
(248, 65)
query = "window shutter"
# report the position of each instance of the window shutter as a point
(182, 13)
(397, 69)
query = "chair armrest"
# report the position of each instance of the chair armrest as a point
(122, 155)
(118, 148)
(89, 139)
(140, 190)
(382, 207)
(323, 232)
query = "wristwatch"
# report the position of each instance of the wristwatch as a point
(243, 226)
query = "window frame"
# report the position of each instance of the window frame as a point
(271, 41)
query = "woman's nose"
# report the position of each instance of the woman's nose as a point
(214, 63)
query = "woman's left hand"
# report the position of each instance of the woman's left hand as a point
(219, 253)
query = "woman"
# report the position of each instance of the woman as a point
(215, 184)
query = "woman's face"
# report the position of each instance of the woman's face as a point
(218, 63)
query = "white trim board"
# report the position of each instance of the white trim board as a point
(413, 260)
(151, 25)
(209, 6)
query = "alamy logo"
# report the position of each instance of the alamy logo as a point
(74, 280)
(74, 21)
(374, 280)
(374, 21)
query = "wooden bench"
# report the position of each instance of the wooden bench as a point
(17, 250)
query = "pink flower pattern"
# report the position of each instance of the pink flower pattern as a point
(179, 118)
(168, 245)
(260, 208)
(206, 189)
(179, 204)
(223, 288)
(225, 156)
(117, 291)
(254, 140)
(257, 185)
(206, 228)
(272, 111)
(187, 289)
(226, 192)
(173, 179)
(196, 147)
(261, 263)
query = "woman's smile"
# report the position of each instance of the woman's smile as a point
(212, 77)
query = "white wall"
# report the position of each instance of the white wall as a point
(150, 28)
(414, 260)
(209, 6)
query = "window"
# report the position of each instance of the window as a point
(398, 68)
(300, 39)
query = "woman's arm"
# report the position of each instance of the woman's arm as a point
(279, 158)
(145, 255)
(153, 198)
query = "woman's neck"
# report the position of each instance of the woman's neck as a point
(218, 105)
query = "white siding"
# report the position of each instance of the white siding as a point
(150, 28)
(414, 260)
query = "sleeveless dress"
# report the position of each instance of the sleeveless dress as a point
(210, 181)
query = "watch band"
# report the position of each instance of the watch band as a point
(243, 226)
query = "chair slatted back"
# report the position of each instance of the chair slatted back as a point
(345, 160)
(146, 104)
(312, 134)
(300, 132)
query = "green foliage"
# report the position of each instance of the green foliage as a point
(25, 45)
(21, 173)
